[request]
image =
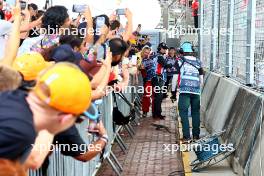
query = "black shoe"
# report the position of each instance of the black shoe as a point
(156, 118)
(162, 117)
(165, 96)
(196, 138)
(173, 97)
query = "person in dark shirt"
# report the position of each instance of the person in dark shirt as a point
(17, 131)
(46, 107)
(76, 147)
(159, 79)
(171, 59)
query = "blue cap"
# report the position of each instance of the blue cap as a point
(65, 53)
(187, 47)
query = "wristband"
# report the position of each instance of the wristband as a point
(104, 138)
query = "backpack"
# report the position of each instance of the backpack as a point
(118, 116)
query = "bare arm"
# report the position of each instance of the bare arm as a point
(89, 35)
(98, 146)
(13, 41)
(25, 22)
(40, 150)
(129, 30)
(125, 75)
(28, 27)
(92, 153)
(102, 77)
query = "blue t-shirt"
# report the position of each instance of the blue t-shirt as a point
(190, 70)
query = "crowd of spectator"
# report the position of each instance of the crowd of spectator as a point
(53, 68)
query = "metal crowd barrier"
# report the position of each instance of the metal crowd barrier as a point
(60, 165)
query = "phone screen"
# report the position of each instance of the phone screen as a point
(11, 2)
(79, 8)
(123, 21)
(100, 22)
(120, 11)
(23, 5)
(134, 60)
(101, 53)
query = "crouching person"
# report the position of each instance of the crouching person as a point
(53, 105)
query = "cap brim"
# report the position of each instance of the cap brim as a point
(91, 113)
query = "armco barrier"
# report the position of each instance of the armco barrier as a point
(220, 103)
(210, 82)
(238, 110)
(255, 164)
(60, 165)
(242, 127)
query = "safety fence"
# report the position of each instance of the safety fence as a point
(60, 165)
(232, 39)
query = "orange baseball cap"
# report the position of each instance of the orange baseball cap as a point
(69, 89)
(30, 64)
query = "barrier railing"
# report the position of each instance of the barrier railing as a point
(60, 165)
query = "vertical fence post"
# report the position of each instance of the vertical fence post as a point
(213, 36)
(229, 42)
(251, 19)
(201, 26)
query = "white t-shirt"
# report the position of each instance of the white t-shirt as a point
(27, 44)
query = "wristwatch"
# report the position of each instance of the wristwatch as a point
(104, 138)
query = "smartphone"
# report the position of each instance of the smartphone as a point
(79, 8)
(23, 5)
(120, 12)
(134, 60)
(92, 126)
(100, 22)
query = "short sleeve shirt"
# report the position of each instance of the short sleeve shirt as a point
(72, 138)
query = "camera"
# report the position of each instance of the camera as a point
(79, 8)
(121, 11)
